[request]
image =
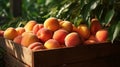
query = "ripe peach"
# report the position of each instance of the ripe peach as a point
(44, 34)
(60, 35)
(37, 27)
(75, 29)
(10, 33)
(36, 46)
(1, 33)
(20, 30)
(63, 45)
(60, 20)
(95, 26)
(52, 24)
(92, 37)
(52, 44)
(89, 42)
(29, 26)
(18, 39)
(72, 39)
(67, 25)
(28, 38)
(102, 35)
(84, 31)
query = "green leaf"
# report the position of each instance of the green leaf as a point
(88, 8)
(109, 16)
(41, 1)
(116, 32)
(94, 5)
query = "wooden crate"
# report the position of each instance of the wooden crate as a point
(96, 55)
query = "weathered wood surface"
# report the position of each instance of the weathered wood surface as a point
(11, 61)
(16, 50)
(100, 55)
(76, 55)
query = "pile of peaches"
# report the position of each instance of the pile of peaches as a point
(55, 33)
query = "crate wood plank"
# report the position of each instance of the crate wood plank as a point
(109, 61)
(21, 53)
(74, 54)
(11, 61)
(62, 56)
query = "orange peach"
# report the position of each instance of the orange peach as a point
(36, 46)
(89, 42)
(92, 37)
(102, 35)
(60, 20)
(1, 33)
(24, 33)
(60, 35)
(95, 26)
(84, 31)
(18, 39)
(10, 33)
(52, 24)
(28, 38)
(44, 34)
(20, 30)
(75, 29)
(60, 23)
(29, 26)
(67, 25)
(72, 39)
(37, 27)
(63, 45)
(52, 44)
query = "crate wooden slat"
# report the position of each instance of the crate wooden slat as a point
(21, 53)
(75, 54)
(84, 55)
(11, 61)
(111, 61)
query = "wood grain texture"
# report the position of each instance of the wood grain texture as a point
(96, 55)
(75, 55)
(11, 61)
(16, 50)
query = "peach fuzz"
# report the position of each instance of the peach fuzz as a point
(10, 33)
(29, 25)
(52, 44)
(36, 46)
(67, 25)
(20, 30)
(52, 24)
(18, 39)
(44, 34)
(101, 35)
(28, 38)
(84, 31)
(72, 39)
(60, 35)
(95, 26)
(37, 27)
